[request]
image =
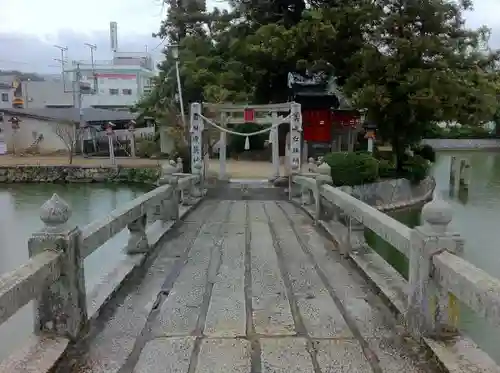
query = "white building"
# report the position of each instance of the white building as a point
(116, 83)
(6, 95)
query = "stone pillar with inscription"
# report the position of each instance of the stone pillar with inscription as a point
(295, 137)
(275, 146)
(294, 153)
(223, 147)
(197, 187)
(196, 133)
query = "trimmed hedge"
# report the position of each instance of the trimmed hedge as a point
(425, 151)
(352, 168)
(463, 132)
(386, 169)
(416, 168)
(362, 168)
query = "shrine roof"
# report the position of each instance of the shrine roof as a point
(317, 84)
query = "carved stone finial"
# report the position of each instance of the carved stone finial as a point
(324, 169)
(169, 168)
(55, 212)
(167, 174)
(437, 214)
(179, 164)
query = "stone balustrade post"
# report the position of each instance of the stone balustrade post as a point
(311, 165)
(305, 195)
(323, 177)
(61, 309)
(179, 192)
(179, 165)
(355, 238)
(137, 239)
(431, 310)
(169, 209)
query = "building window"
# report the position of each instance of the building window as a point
(113, 91)
(127, 92)
(5, 97)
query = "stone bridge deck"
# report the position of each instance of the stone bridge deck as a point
(247, 286)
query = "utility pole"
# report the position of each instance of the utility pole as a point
(27, 96)
(93, 47)
(63, 60)
(86, 129)
(79, 102)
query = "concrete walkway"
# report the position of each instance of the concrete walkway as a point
(248, 286)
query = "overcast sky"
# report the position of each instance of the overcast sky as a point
(30, 28)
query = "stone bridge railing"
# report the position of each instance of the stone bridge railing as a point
(53, 278)
(439, 279)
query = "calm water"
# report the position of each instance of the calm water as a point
(19, 205)
(475, 216)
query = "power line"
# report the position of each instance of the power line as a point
(160, 44)
(63, 60)
(93, 47)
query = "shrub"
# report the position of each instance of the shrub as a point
(388, 155)
(352, 168)
(416, 168)
(386, 169)
(433, 131)
(426, 152)
(457, 132)
(147, 148)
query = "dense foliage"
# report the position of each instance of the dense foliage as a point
(410, 63)
(352, 168)
(456, 132)
(22, 76)
(426, 152)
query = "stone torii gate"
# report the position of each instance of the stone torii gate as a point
(248, 114)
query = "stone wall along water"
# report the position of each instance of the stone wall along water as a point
(74, 174)
(394, 194)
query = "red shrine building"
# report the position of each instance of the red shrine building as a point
(329, 121)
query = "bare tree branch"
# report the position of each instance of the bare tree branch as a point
(66, 131)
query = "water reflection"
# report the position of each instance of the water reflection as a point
(475, 216)
(19, 218)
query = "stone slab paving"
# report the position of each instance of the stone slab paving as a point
(251, 287)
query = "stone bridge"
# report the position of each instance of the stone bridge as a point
(257, 282)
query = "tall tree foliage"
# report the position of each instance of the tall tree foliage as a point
(420, 65)
(409, 62)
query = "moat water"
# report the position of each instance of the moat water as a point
(475, 217)
(19, 218)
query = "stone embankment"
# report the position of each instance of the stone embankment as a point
(80, 174)
(463, 144)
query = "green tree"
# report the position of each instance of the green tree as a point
(411, 63)
(421, 66)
